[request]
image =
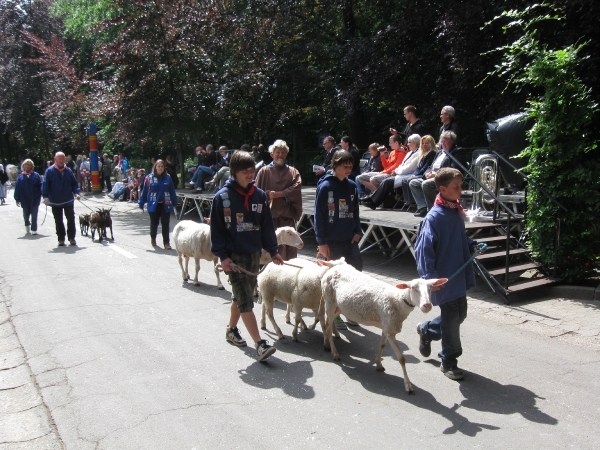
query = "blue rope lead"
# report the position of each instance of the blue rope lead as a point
(480, 248)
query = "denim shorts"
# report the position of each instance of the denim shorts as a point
(242, 284)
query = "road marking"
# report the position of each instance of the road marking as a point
(118, 249)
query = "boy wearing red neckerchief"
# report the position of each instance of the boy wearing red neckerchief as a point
(240, 226)
(441, 249)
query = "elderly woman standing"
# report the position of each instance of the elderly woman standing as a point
(28, 195)
(283, 186)
(159, 192)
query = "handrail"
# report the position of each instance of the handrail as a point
(533, 183)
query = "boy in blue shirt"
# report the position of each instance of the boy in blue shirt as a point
(240, 226)
(337, 222)
(442, 247)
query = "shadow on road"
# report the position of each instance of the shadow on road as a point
(291, 377)
(483, 394)
(480, 393)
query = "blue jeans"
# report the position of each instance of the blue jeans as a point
(33, 212)
(447, 328)
(198, 178)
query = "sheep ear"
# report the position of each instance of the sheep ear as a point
(440, 282)
(403, 285)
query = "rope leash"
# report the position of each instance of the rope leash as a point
(54, 204)
(480, 248)
(236, 268)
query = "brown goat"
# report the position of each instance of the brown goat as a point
(84, 223)
(99, 221)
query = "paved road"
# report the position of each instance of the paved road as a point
(103, 347)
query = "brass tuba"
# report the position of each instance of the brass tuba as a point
(486, 172)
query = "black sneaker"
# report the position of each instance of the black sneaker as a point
(453, 373)
(424, 344)
(264, 350)
(233, 335)
(61, 243)
(72, 242)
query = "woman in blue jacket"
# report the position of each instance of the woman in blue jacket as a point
(28, 195)
(159, 192)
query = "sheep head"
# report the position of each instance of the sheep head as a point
(419, 291)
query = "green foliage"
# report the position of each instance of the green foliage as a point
(563, 156)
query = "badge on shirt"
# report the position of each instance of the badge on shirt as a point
(257, 207)
(226, 203)
(239, 217)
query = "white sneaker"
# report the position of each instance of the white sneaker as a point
(34, 233)
(27, 229)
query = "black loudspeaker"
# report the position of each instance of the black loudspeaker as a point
(508, 137)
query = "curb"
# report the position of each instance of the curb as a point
(575, 292)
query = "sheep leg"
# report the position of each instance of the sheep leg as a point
(197, 268)
(180, 259)
(263, 321)
(298, 321)
(402, 360)
(112, 237)
(287, 318)
(268, 306)
(382, 342)
(219, 285)
(328, 343)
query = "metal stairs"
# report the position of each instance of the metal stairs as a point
(506, 266)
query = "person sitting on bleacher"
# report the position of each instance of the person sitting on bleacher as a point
(427, 152)
(222, 174)
(424, 190)
(373, 165)
(404, 170)
(371, 180)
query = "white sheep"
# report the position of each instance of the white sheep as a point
(192, 240)
(297, 282)
(285, 236)
(371, 302)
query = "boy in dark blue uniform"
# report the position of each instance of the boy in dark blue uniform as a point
(441, 249)
(240, 226)
(337, 223)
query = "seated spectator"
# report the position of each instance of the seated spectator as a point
(200, 152)
(120, 187)
(205, 169)
(426, 156)
(373, 165)
(423, 189)
(222, 174)
(404, 170)
(371, 180)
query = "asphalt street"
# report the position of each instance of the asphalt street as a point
(102, 346)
